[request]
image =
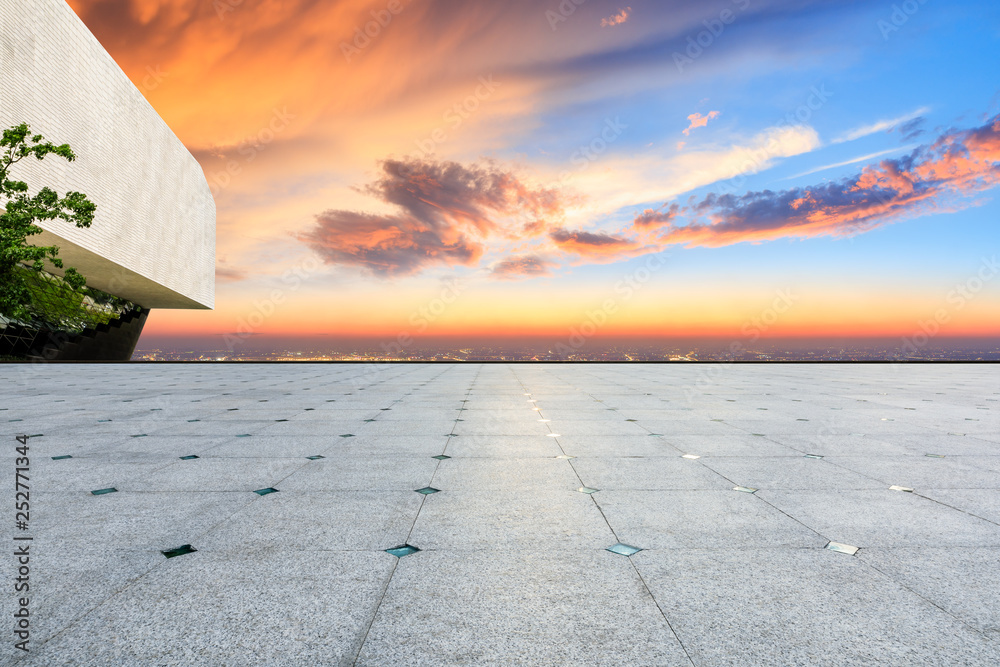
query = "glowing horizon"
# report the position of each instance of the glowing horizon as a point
(517, 166)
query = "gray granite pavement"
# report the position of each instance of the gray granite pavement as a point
(511, 480)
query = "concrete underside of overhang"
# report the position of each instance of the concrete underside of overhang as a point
(105, 275)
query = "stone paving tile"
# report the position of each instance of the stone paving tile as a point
(318, 521)
(358, 472)
(530, 608)
(216, 474)
(801, 607)
(723, 519)
(963, 582)
(652, 473)
(790, 473)
(920, 472)
(883, 518)
(979, 502)
(512, 566)
(216, 609)
(510, 520)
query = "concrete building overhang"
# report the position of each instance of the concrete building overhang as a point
(153, 237)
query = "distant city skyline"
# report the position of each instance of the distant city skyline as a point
(748, 169)
(266, 348)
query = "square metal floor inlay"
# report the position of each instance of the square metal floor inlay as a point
(744, 489)
(402, 550)
(101, 492)
(690, 456)
(441, 457)
(427, 490)
(587, 490)
(315, 458)
(842, 548)
(179, 551)
(901, 488)
(60, 458)
(189, 457)
(623, 549)
(812, 456)
(264, 492)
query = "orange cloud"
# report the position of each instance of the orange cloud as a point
(657, 217)
(617, 19)
(932, 178)
(447, 212)
(591, 245)
(697, 120)
(522, 266)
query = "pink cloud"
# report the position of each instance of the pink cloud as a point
(697, 120)
(617, 19)
(940, 176)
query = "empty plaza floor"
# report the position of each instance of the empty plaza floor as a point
(515, 514)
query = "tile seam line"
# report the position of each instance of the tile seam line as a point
(635, 569)
(663, 614)
(423, 499)
(927, 600)
(135, 581)
(957, 509)
(772, 506)
(381, 599)
(145, 574)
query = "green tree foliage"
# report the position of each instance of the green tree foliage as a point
(17, 220)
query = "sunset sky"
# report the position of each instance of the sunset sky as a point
(514, 167)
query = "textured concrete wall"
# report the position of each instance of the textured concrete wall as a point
(153, 239)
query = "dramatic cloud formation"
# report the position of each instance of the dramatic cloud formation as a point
(657, 217)
(935, 177)
(616, 19)
(448, 210)
(697, 120)
(522, 266)
(591, 245)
